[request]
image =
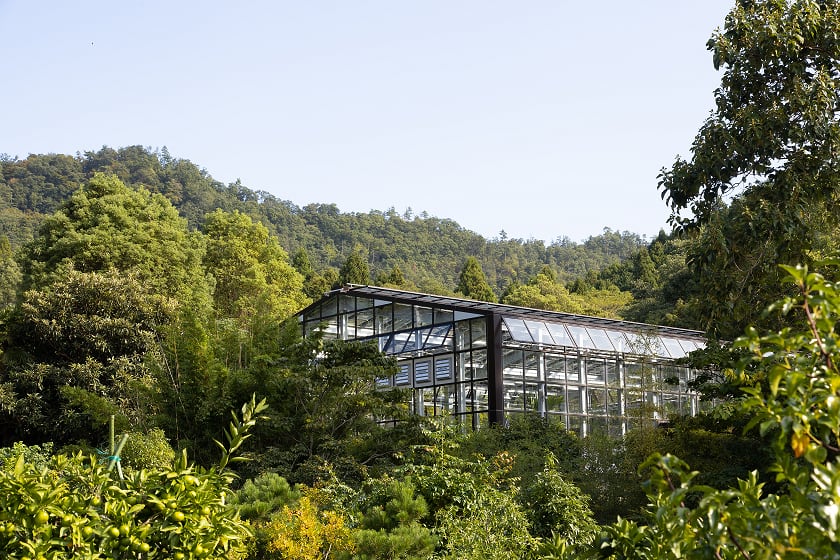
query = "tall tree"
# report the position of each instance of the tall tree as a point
(473, 284)
(355, 270)
(772, 142)
(10, 276)
(252, 271)
(107, 225)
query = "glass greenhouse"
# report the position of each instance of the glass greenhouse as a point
(482, 363)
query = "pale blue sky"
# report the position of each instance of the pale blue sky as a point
(542, 118)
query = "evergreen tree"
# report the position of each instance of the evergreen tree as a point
(355, 270)
(472, 283)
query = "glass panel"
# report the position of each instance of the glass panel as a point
(532, 365)
(402, 317)
(479, 364)
(512, 362)
(576, 424)
(560, 334)
(646, 345)
(555, 367)
(427, 401)
(384, 320)
(462, 335)
(330, 326)
(674, 348)
(313, 315)
(479, 333)
(580, 336)
(573, 370)
(445, 400)
(574, 399)
(539, 332)
(309, 327)
(612, 373)
(555, 399)
(513, 394)
(346, 304)
(480, 395)
(614, 402)
(600, 338)
(437, 337)
(517, 329)
(670, 404)
(363, 303)
(618, 340)
(633, 375)
(532, 397)
(364, 323)
(443, 316)
(597, 401)
(595, 372)
(423, 316)
(596, 425)
(401, 342)
(329, 307)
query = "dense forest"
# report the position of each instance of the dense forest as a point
(614, 274)
(141, 302)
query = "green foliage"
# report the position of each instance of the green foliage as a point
(75, 354)
(770, 146)
(390, 525)
(10, 274)
(354, 270)
(106, 225)
(252, 274)
(797, 409)
(264, 495)
(36, 455)
(556, 507)
(326, 404)
(472, 283)
(146, 450)
(72, 508)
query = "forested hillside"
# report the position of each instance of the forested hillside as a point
(428, 250)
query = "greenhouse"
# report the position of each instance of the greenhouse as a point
(481, 363)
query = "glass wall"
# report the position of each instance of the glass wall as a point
(588, 376)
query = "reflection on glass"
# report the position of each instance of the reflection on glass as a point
(580, 336)
(673, 347)
(539, 332)
(532, 364)
(384, 319)
(618, 341)
(600, 338)
(597, 401)
(573, 370)
(517, 329)
(574, 399)
(595, 372)
(560, 335)
(555, 398)
(402, 317)
(423, 316)
(512, 362)
(555, 367)
(479, 333)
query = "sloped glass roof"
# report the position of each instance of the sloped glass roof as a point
(596, 338)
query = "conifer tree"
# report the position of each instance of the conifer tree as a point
(473, 284)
